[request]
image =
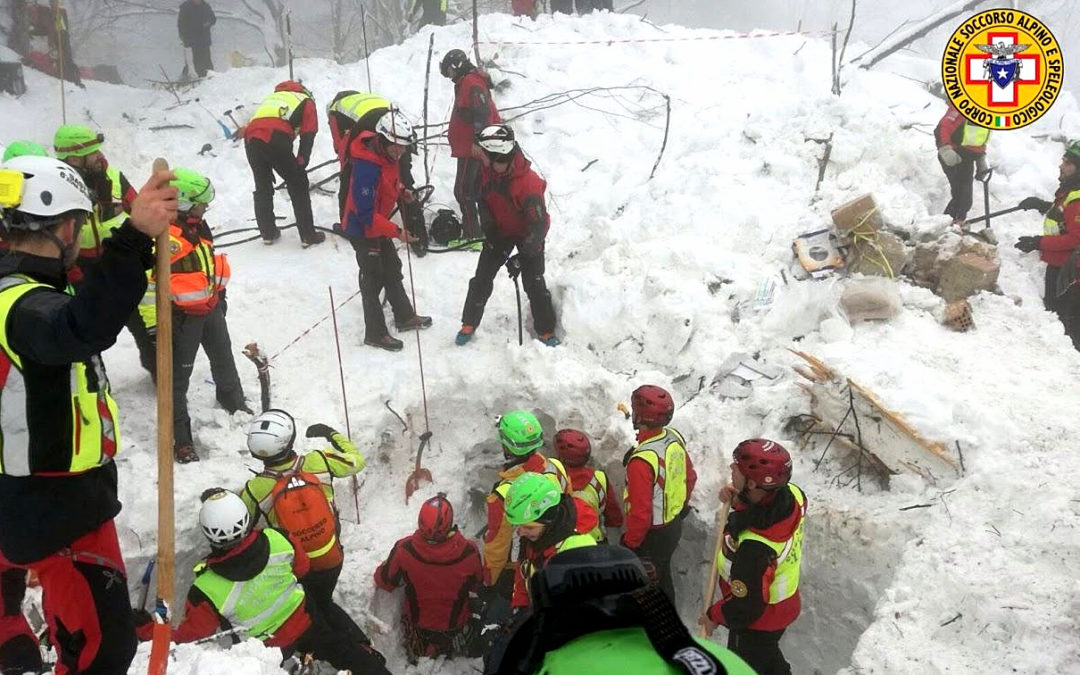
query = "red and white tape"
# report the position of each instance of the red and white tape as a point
(701, 38)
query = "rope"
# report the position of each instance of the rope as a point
(868, 236)
(419, 349)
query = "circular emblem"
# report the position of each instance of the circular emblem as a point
(738, 589)
(174, 247)
(1002, 69)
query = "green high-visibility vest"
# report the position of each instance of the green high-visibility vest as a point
(974, 136)
(280, 105)
(1052, 220)
(595, 494)
(666, 454)
(96, 230)
(788, 555)
(355, 106)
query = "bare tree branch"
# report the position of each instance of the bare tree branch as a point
(916, 31)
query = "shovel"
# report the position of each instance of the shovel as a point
(986, 234)
(419, 473)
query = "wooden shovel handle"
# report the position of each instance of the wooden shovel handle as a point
(710, 582)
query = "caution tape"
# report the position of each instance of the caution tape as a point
(699, 38)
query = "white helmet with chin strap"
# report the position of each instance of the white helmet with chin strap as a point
(46, 190)
(224, 519)
(396, 128)
(271, 435)
(497, 139)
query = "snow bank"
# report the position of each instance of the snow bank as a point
(646, 275)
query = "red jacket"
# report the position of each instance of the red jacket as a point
(754, 563)
(1055, 250)
(374, 187)
(639, 486)
(473, 110)
(575, 517)
(523, 7)
(580, 477)
(303, 122)
(512, 204)
(950, 131)
(438, 579)
(243, 562)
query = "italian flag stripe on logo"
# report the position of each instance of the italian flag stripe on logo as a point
(1002, 121)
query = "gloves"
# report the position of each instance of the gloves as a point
(1035, 204)
(320, 430)
(948, 156)
(1027, 244)
(981, 170)
(513, 266)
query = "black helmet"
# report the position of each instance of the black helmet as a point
(445, 227)
(454, 63)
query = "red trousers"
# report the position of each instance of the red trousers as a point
(523, 7)
(87, 607)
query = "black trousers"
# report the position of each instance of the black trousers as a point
(761, 650)
(466, 189)
(326, 644)
(212, 332)
(380, 267)
(961, 177)
(492, 259)
(144, 343)
(1067, 306)
(266, 159)
(201, 58)
(19, 650)
(657, 549)
(319, 588)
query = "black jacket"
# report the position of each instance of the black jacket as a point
(194, 22)
(50, 329)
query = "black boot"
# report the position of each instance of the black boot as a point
(390, 344)
(316, 237)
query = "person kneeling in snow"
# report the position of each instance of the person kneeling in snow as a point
(441, 572)
(250, 584)
(761, 556)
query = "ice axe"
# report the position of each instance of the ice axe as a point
(986, 234)
(419, 473)
(513, 268)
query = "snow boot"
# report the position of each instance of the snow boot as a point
(414, 323)
(390, 344)
(316, 238)
(464, 335)
(549, 339)
(185, 454)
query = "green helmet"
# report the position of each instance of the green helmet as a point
(24, 149)
(1072, 151)
(76, 140)
(520, 432)
(531, 495)
(192, 187)
(628, 652)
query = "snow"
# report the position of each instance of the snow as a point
(645, 276)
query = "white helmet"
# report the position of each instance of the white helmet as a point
(224, 518)
(50, 188)
(396, 128)
(271, 435)
(497, 139)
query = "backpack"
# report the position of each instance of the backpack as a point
(302, 509)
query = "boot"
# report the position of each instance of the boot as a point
(316, 238)
(390, 344)
(549, 339)
(464, 335)
(414, 323)
(185, 454)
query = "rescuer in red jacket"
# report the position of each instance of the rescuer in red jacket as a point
(441, 572)
(473, 110)
(961, 148)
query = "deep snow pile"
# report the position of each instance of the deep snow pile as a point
(645, 276)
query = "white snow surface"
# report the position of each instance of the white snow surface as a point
(630, 263)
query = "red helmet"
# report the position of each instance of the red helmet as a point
(652, 406)
(765, 462)
(572, 447)
(436, 518)
(293, 86)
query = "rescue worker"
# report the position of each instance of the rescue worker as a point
(58, 481)
(590, 485)
(441, 572)
(295, 493)
(524, 8)
(1060, 242)
(961, 149)
(660, 479)
(250, 583)
(593, 611)
(434, 12)
(23, 148)
(761, 555)
(193, 24)
(548, 521)
(197, 285)
(374, 190)
(80, 147)
(513, 215)
(352, 112)
(473, 111)
(288, 112)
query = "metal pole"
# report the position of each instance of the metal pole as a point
(344, 400)
(288, 39)
(367, 53)
(60, 56)
(427, 82)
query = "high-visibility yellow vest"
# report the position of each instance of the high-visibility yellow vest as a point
(262, 604)
(280, 105)
(415, 3)
(666, 454)
(1052, 220)
(553, 469)
(528, 569)
(595, 495)
(95, 436)
(96, 230)
(788, 554)
(355, 106)
(974, 136)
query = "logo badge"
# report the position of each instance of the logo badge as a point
(1002, 69)
(739, 589)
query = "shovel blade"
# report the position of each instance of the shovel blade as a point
(413, 482)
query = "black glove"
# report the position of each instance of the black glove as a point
(141, 617)
(1027, 244)
(1035, 204)
(513, 266)
(320, 430)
